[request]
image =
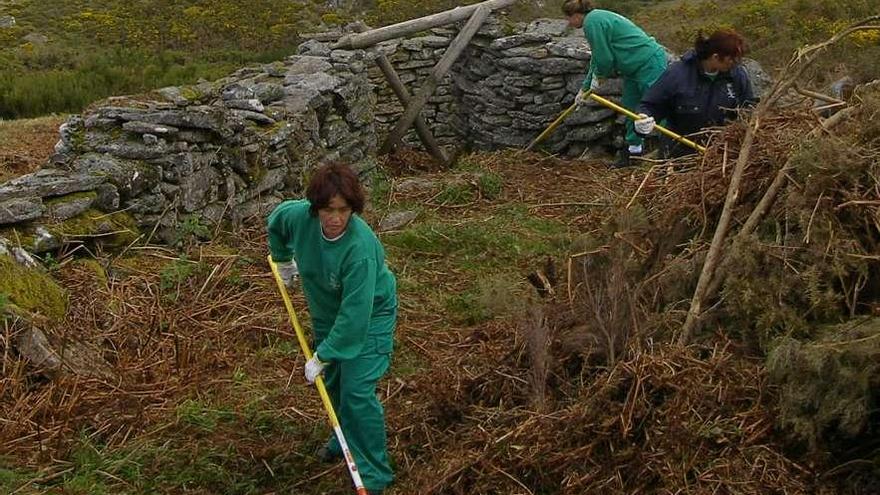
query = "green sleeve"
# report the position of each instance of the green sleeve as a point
(280, 233)
(598, 32)
(589, 79)
(348, 335)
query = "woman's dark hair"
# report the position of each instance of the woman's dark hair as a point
(724, 42)
(331, 179)
(572, 7)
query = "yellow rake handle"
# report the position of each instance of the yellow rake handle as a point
(553, 125)
(678, 137)
(319, 382)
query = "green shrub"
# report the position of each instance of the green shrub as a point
(176, 274)
(828, 387)
(490, 185)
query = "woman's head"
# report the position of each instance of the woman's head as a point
(720, 51)
(335, 193)
(576, 10)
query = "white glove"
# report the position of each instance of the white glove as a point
(582, 96)
(288, 271)
(314, 367)
(595, 84)
(645, 124)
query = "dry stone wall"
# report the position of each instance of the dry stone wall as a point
(196, 155)
(191, 157)
(511, 82)
(508, 85)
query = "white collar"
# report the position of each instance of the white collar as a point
(333, 239)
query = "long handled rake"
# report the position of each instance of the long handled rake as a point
(552, 127)
(662, 130)
(617, 108)
(319, 383)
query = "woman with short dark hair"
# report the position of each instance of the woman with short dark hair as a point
(352, 299)
(621, 49)
(702, 89)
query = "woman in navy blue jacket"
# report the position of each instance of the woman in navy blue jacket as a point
(702, 89)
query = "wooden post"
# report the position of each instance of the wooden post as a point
(422, 129)
(418, 101)
(369, 38)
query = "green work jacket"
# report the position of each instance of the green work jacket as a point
(351, 293)
(619, 47)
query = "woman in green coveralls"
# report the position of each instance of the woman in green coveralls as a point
(352, 298)
(619, 49)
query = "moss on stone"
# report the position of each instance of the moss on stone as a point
(70, 197)
(110, 229)
(91, 265)
(78, 138)
(257, 173)
(19, 235)
(92, 223)
(189, 93)
(32, 290)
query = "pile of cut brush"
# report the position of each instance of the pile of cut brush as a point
(762, 254)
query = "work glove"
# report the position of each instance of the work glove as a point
(582, 96)
(288, 271)
(645, 124)
(314, 367)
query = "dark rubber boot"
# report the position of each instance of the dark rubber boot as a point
(327, 456)
(624, 159)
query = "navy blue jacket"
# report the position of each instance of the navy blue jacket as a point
(690, 100)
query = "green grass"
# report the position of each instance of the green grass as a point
(177, 273)
(478, 255)
(232, 441)
(501, 239)
(11, 479)
(201, 415)
(49, 86)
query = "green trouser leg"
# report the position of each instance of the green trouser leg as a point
(352, 388)
(634, 88)
(351, 385)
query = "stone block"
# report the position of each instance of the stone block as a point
(49, 182)
(138, 127)
(517, 40)
(20, 210)
(575, 47)
(65, 207)
(546, 66)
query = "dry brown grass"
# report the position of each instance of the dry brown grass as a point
(26, 144)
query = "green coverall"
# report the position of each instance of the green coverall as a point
(352, 299)
(622, 49)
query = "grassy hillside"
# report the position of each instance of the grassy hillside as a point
(61, 56)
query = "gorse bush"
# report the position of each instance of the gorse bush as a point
(828, 387)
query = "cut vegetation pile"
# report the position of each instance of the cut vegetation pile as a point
(582, 392)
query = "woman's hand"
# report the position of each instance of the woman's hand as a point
(645, 124)
(313, 368)
(288, 271)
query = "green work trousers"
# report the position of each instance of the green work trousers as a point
(635, 86)
(351, 385)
